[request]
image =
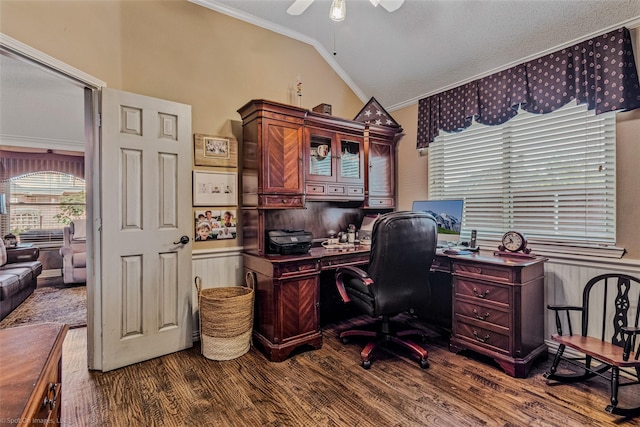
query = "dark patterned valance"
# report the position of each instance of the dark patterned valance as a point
(600, 71)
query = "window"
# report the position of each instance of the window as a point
(42, 203)
(550, 176)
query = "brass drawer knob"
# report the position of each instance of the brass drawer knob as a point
(480, 295)
(485, 316)
(482, 340)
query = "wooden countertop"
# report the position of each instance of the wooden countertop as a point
(25, 352)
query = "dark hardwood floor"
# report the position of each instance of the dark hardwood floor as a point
(326, 387)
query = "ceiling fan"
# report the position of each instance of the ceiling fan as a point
(299, 6)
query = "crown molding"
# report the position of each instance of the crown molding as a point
(43, 143)
(23, 50)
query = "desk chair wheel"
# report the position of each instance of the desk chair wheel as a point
(366, 364)
(424, 364)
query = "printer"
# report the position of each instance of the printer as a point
(288, 242)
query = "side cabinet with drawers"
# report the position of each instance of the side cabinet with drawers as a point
(498, 310)
(31, 374)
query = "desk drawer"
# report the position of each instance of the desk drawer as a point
(336, 190)
(284, 201)
(341, 261)
(483, 313)
(441, 264)
(475, 290)
(383, 202)
(490, 339)
(488, 272)
(316, 189)
(295, 268)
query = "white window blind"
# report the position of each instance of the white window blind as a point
(550, 176)
(42, 203)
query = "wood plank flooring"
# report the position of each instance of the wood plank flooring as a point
(326, 387)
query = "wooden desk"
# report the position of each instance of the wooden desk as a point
(31, 374)
(287, 290)
(510, 289)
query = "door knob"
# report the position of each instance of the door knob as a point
(183, 241)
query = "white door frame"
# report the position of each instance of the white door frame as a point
(92, 180)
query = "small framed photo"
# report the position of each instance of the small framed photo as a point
(215, 224)
(215, 151)
(215, 188)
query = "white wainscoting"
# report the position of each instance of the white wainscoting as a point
(565, 280)
(216, 268)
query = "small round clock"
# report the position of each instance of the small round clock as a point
(514, 241)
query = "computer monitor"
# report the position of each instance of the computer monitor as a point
(448, 215)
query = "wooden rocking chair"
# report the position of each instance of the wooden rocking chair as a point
(610, 308)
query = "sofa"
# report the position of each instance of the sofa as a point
(73, 251)
(19, 271)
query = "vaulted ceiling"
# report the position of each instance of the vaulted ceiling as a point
(427, 46)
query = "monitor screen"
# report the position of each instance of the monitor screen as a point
(448, 215)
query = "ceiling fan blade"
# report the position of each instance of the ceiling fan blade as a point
(391, 5)
(299, 6)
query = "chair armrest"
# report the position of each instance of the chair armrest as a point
(66, 251)
(352, 272)
(566, 308)
(22, 255)
(632, 331)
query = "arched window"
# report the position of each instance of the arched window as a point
(42, 203)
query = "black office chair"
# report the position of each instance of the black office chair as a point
(403, 245)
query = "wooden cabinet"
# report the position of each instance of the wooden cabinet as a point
(290, 155)
(287, 303)
(498, 310)
(272, 155)
(31, 374)
(380, 173)
(334, 159)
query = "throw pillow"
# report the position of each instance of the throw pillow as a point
(3, 253)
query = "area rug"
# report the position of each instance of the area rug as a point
(60, 304)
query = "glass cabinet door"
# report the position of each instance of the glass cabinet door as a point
(350, 159)
(320, 156)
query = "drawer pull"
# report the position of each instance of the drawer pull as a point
(482, 340)
(51, 397)
(482, 295)
(483, 317)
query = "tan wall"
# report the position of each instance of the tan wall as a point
(182, 52)
(413, 174)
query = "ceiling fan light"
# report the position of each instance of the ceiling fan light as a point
(338, 10)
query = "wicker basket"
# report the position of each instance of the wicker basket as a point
(226, 321)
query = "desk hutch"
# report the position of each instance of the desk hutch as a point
(310, 170)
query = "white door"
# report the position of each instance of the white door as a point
(145, 270)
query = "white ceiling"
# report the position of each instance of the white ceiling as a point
(38, 108)
(428, 46)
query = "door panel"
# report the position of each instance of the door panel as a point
(146, 208)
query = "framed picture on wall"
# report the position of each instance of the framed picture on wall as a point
(215, 151)
(215, 188)
(215, 224)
